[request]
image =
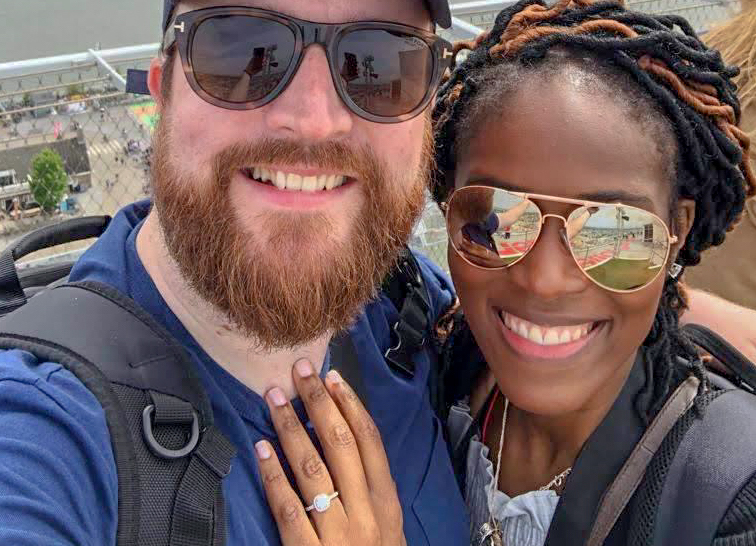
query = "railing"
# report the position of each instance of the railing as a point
(700, 13)
(76, 104)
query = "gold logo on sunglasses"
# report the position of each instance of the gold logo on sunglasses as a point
(448, 53)
(180, 27)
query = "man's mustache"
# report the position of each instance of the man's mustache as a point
(330, 155)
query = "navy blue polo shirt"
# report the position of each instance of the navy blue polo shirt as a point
(58, 482)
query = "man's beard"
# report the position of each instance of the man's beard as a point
(266, 284)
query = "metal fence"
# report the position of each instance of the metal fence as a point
(701, 14)
(76, 106)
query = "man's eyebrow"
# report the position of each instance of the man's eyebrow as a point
(608, 196)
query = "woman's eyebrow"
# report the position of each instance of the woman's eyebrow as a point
(606, 196)
(494, 182)
(619, 196)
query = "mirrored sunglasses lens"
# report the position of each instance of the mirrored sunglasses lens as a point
(491, 227)
(239, 58)
(385, 73)
(621, 248)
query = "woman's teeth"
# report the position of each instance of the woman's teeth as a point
(295, 182)
(545, 335)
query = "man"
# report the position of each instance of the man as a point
(272, 226)
(274, 220)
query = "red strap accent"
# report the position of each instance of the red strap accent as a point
(488, 414)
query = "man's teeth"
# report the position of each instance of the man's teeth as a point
(544, 335)
(295, 182)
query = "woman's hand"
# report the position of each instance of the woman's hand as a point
(366, 511)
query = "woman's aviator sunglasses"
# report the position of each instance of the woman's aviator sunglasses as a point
(242, 58)
(619, 247)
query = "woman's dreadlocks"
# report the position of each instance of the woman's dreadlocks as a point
(657, 68)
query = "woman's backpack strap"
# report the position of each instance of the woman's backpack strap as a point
(737, 367)
(623, 487)
(714, 461)
(170, 457)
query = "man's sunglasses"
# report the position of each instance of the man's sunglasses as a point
(242, 58)
(619, 247)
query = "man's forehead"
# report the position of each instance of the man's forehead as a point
(409, 12)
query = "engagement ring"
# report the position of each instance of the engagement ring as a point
(322, 502)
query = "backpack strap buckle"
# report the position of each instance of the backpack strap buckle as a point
(411, 328)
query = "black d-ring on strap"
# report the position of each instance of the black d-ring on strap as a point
(164, 452)
(167, 410)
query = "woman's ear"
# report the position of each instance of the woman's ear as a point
(683, 222)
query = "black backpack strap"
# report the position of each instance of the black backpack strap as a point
(12, 284)
(11, 294)
(406, 289)
(712, 464)
(158, 416)
(743, 371)
(344, 359)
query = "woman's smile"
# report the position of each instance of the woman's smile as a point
(556, 339)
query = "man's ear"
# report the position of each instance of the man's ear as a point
(683, 222)
(155, 81)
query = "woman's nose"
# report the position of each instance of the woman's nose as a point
(549, 271)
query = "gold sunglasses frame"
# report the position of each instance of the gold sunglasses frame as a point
(531, 198)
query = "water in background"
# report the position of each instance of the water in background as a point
(41, 28)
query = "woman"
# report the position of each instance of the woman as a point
(620, 132)
(578, 412)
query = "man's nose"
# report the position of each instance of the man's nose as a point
(549, 271)
(310, 109)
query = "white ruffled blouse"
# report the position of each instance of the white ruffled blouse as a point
(524, 519)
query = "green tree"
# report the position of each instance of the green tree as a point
(48, 180)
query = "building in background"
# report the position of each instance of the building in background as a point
(16, 157)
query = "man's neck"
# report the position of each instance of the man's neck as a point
(239, 355)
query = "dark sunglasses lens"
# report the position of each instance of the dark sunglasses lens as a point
(239, 58)
(621, 248)
(490, 227)
(385, 73)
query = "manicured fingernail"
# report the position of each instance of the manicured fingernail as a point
(263, 451)
(334, 378)
(277, 397)
(304, 368)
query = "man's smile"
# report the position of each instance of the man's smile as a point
(291, 181)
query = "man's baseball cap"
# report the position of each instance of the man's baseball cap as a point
(137, 79)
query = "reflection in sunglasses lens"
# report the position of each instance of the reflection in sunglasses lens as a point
(385, 73)
(492, 228)
(238, 58)
(619, 247)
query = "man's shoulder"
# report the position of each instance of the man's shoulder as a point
(437, 286)
(438, 283)
(59, 479)
(26, 379)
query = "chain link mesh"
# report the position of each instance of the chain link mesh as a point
(103, 137)
(101, 134)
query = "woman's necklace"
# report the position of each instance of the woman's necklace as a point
(490, 532)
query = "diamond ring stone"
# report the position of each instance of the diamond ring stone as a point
(322, 502)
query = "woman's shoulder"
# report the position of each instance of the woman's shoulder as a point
(708, 488)
(738, 526)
